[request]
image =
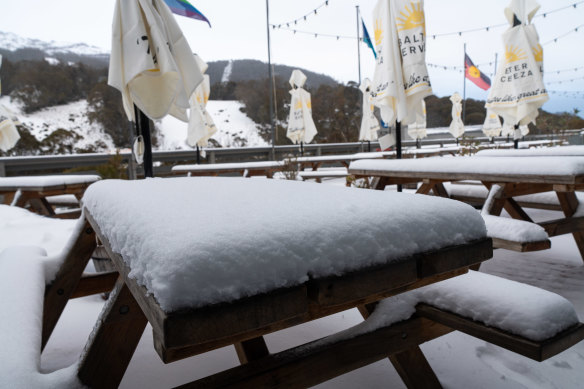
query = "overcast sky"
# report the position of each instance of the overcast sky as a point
(239, 31)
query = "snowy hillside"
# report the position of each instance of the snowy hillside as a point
(235, 129)
(12, 42)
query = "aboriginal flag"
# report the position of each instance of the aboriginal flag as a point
(475, 75)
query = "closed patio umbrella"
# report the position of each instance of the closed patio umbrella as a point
(369, 123)
(401, 79)
(301, 128)
(456, 126)
(151, 64)
(201, 126)
(417, 129)
(9, 135)
(492, 125)
(518, 90)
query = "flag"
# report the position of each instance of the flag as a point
(184, 8)
(367, 39)
(475, 75)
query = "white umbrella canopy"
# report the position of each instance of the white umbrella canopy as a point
(151, 62)
(401, 80)
(9, 135)
(417, 130)
(456, 126)
(301, 128)
(369, 123)
(492, 126)
(201, 126)
(518, 90)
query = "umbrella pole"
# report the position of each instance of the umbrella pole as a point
(301, 148)
(515, 141)
(369, 145)
(143, 124)
(198, 155)
(398, 147)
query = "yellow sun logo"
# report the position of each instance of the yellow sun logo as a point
(474, 72)
(513, 54)
(538, 53)
(493, 116)
(206, 97)
(378, 32)
(199, 99)
(412, 18)
(298, 105)
(309, 105)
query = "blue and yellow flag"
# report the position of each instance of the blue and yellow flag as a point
(367, 39)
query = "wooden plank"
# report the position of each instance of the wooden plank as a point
(411, 364)
(41, 206)
(113, 342)
(521, 246)
(496, 206)
(454, 257)
(60, 290)
(563, 226)
(425, 188)
(514, 189)
(515, 211)
(95, 283)
(569, 203)
(439, 189)
(538, 351)
(251, 349)
(316, 362)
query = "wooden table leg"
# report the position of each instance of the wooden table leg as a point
(114, 341)
(411, 364)
(251, 349)
(515, 210)
(41, 206)
(569, 204)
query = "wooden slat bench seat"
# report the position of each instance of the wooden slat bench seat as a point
(318, 175)
(244, 169)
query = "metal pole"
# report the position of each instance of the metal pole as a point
(398, 146)
(358, 45)
(143, 126)
(271, 82)
(516, 22)
(464, 87)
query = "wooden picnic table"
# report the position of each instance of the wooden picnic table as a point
(34, 190)
(245, 169)
(517, 176)
(184, 332)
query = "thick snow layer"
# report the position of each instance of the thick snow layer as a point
(514, 230)
(192, 242)
(481, 165)
(22, 287)
(543, 151)
(227, 166)
(24, 182)
(511, 306)
(21, 227)
(234, 128)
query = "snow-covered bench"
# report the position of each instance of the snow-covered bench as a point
(318, 175)
(33, 191)
(560, 151)
(244, 169)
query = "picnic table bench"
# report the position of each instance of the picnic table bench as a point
(517, 176)
(245, 169)
(33, 191)
(557, 151)
(202, 289)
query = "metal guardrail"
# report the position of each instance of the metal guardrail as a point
(47, 164)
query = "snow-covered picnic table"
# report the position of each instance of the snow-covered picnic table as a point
(567, 151)
(209, 269)
(34, 190)
(518, 176)
(245, 169)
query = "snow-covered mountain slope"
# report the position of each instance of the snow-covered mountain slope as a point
(234, 128)
(12, 42)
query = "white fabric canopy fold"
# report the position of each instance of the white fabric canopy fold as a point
(417, 130)
(492, 126)
(401, 78)
(456, 126)
(518, 90)
(9, 135)
(151, 62)
(369, 123)
(201, 126)
(301, 127)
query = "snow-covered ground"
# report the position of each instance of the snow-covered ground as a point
(460, 361)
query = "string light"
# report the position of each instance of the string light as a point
(295, 21)
(575, 29)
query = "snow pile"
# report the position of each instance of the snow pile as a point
(45, 181)
(192, 242)
(22, 286)
(234, 128)
(533, 152)
(513, 230)
(531, 166)
(21, 227)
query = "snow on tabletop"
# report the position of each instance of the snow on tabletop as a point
(542, 151)
(227, 166)
(198, 241)
(477, 165)
(40, 181)
(22, 288)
